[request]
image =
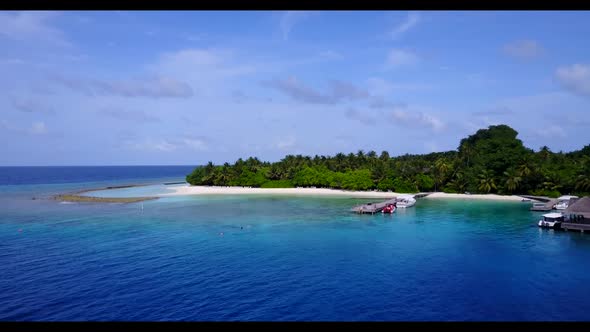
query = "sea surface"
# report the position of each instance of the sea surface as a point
(263, 258)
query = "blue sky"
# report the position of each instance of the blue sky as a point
(132, 88)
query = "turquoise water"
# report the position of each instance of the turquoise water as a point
(141, 191)
(285, 258)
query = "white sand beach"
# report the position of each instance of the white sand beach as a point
(205, 190)
(491, 197)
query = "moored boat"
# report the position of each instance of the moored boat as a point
(389, 209)
(405, 201)
(564, 201)
(552, 220)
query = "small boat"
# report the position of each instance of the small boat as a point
(405, 201)
(389, 209)
(551, 220)
(563, 202)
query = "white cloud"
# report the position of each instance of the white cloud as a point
(206, 70)
(362, 117)
(286, 143)
(38, 128)
(399, 57)
(290, 19)
(167, 145)
(330, 55)
(551, 131)
(150, 145)
(154, 87)
(381, 87)
(523, 49)
(339, 91)
(195, 144)
(31, 26)
(431, 146)
(575, 78)
(411, 20)
(133, 116)
(164, 146)
(416, 118)
(31, 105)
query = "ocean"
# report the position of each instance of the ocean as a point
(265, 258)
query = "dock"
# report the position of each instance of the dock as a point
(537, 198)
(577, 226)
(373, 207)
(549, 202)
(547, 207)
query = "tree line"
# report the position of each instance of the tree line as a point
(493, 160)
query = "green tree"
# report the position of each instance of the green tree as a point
(583, 182)
(486, 181)
(512, 180)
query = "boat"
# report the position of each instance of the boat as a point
(405, 201)
(551, 220)
(563, 202)
(389, 209)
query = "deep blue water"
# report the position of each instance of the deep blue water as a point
(280, 258)
(76, 174)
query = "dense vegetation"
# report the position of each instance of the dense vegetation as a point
(492, 160)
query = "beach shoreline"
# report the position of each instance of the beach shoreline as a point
(188, 190)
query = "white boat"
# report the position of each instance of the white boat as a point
(405, 201)
(563, 202)
(551, 220)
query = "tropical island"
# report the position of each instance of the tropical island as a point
(493, 160)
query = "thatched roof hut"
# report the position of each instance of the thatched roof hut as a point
(579, 207)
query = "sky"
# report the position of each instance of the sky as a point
(188, 87)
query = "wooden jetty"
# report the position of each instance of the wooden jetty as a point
(373, 207)
(548, 206)
(537, 198)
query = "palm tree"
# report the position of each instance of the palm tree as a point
(525, 168)
(583, 182)
(486, 181)
(379, 171)
(441, 168)
(275, 172)
(512, 180)
(544, 153)
(459, 183)
(222, 177)
(467, 151)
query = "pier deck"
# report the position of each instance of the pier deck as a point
(547, 207)
(373, 207)
(577, 226)
(377, 207)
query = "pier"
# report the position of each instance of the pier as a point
(548, 206)
(376, 207)
(577, 226)
(373, 207)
